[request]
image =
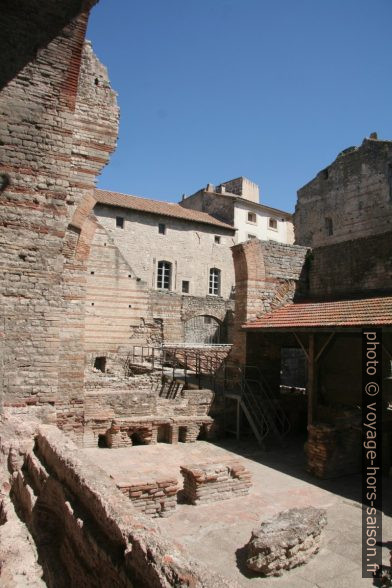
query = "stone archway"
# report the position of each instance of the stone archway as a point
(203, 329)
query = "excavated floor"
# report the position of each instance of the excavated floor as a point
(216, 533)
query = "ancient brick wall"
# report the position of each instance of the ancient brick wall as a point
(57, 129)
(268, 275)
(351, 198)
(359, 267)
(85, 529)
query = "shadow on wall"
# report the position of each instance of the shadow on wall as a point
(34, 24)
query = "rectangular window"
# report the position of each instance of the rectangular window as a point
(252, 236)
(164, 275)
(251, 217)
(120, 222)
(162, 229)
(214, 283)
(185, 286)
(217, 239)
(273, 224)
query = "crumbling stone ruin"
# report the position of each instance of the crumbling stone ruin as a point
(212, 482)
(287, 540)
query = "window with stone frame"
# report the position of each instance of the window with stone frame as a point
(273, 224)
(164, 275)
(214, 285)
(252, 218)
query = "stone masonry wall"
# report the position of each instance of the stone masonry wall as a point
(52, 145)
(122, 310)
(189, 246)
(268, 275)
(359, 267)
(354, 192)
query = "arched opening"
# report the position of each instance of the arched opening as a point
(203, 329)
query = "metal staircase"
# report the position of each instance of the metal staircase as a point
(262, 409)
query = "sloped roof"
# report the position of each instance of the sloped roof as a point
(158, 207)
(339, 313)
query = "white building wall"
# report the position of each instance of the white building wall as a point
(260, 229)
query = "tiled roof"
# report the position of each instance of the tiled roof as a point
(340, 313)
(157, 207)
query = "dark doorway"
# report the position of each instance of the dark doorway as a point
(100, 364)
(102, 441)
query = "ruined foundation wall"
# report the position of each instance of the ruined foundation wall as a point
(85, 529)
(354, 193)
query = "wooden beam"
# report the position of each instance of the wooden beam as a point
(385, 348)
(311, 379)
(302, 345)
(324, 346)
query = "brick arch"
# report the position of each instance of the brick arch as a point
(198, 330)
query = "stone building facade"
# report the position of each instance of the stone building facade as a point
(236, 202)
(349, 199)
(157, 273)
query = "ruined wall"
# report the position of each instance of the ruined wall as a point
(85, 529)
(268, 275)
(52, 146)
(359, 267)
(351, 198)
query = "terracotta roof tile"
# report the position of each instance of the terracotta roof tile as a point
(340, 313)
(169, 209)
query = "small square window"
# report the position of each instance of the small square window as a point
(162, 229)
(217, 239)
(120, 222)
(273, 224)
(251, 217)
(207, 320)
(185, 286)
(252, 237)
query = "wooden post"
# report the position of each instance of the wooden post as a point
(311, 379)
(238, 419)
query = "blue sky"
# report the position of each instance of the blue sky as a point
(210, 90)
